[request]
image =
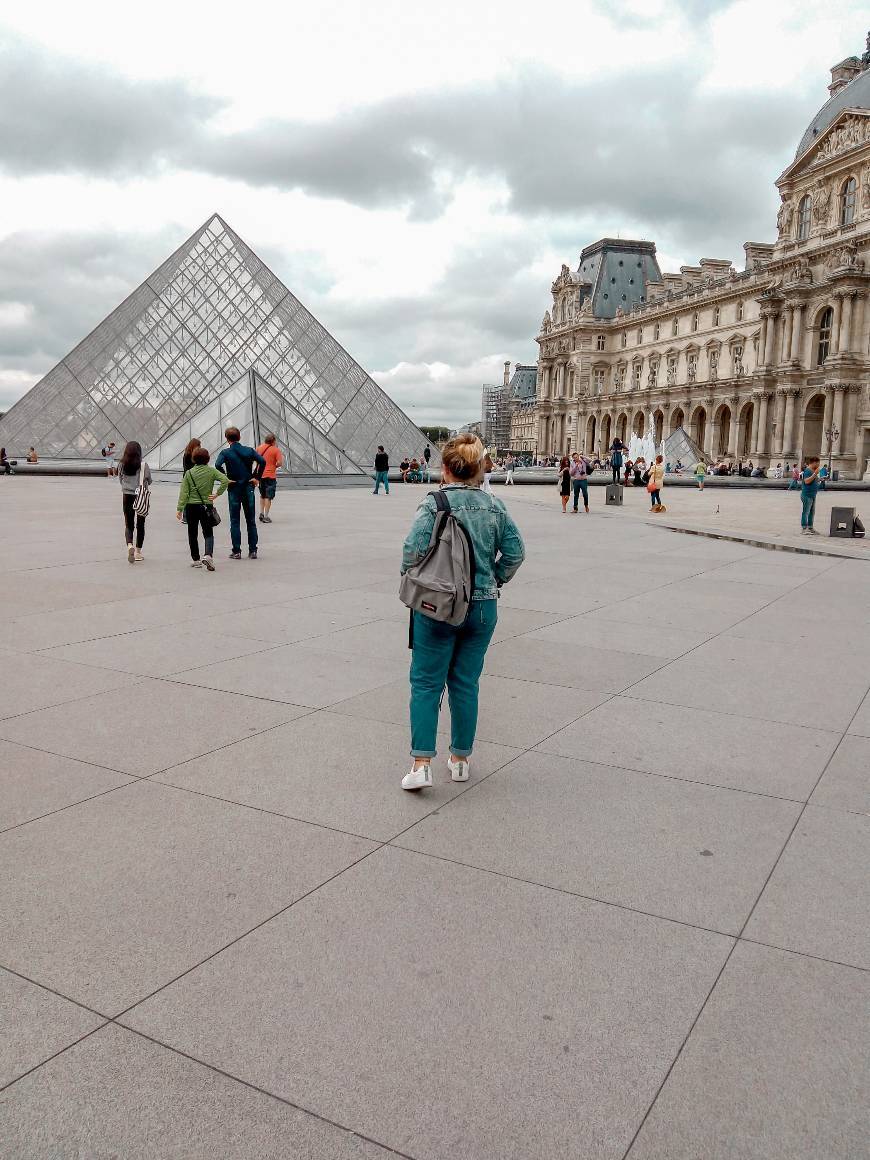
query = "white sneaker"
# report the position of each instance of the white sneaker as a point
(805, 531)
(420, 778)
(196, 564)
(812, 531)
(209, 563)
(130, 554)
(458, 769)
(137, 556)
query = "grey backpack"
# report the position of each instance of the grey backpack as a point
(442, 583)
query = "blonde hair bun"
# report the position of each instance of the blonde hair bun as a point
(463, 456)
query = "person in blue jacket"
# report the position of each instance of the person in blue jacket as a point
(243, 465)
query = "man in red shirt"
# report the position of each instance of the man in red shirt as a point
(269, 477)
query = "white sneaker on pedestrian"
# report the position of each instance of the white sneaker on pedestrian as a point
(419, 778)
(805, 531)
(130, 554)
(209, 563)
(196, 564)
(812, 531)
(138, 557)
(458, 769)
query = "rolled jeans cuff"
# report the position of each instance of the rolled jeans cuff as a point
(426, 753)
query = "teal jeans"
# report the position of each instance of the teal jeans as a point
(449, 655)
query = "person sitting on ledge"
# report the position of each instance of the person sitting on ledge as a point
(32, 457)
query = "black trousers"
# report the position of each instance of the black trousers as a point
(616, 470)
(129, 516)
(196, 517)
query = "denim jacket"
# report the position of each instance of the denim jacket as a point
(498, 545)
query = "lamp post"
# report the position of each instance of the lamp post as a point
(832, 434)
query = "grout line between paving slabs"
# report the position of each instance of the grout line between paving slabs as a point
(740, 935)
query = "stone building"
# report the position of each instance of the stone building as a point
(523, 428)
(767, 363)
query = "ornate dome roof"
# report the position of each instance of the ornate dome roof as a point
(854, 95)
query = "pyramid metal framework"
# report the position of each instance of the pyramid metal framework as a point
(211, 328)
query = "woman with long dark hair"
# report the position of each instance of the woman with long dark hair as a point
(187, 456)
(564, 482)
(131, 472)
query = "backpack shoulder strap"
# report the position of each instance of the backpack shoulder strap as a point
(442, 503)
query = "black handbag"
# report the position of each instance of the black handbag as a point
(212, 515)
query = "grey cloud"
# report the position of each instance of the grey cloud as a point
(59, 115)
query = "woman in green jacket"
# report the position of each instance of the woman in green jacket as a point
(196, 498)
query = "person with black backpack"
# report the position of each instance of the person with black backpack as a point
(244, 466)
(462, 547)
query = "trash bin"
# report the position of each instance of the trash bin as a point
(843, 522)
(614, 494)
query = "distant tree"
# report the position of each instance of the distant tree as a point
(436, 434)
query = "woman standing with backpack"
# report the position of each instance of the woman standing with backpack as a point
(134, 477)
(447, 654)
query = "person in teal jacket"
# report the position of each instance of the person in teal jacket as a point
(453, 655)
(196, 498)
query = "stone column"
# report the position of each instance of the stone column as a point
(787, 324)
(797, 331)
(791, 395)
(756, 424)
(780, 423)
(835, 329)
(734, 428)
(761, 439)
(829, 412)
(769, 336)
(846, 326)
(708, 433)
(839, 407)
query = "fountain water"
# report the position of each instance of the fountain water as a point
(644, 446)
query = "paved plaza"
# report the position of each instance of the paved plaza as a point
(641, 930)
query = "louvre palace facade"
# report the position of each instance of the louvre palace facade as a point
(756, 364)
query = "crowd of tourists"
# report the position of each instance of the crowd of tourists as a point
(238, 470)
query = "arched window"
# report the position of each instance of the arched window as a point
(716, 315)
(847, 202)
(695, 320)
(826, 325)
(739, 311)
(804, 217)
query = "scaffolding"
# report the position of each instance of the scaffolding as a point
(496, 417)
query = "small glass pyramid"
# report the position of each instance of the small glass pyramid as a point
(211, 333)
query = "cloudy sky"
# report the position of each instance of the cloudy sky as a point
(415, 172)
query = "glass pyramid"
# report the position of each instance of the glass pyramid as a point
(211, 320)
(256, 409)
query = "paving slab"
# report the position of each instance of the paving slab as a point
(861, 722)
(776, 1067)
(594, 631)
(137, 1100)
(142, 731)
(845, 784)
(761, 680)
(282, 623)
(567, 1024)
(35, 682)
(531, 659)
(34, 1025)
(699, 745)
(333, 770)
(694, 853)
(170, 878)
(295, 674)
(33, 783)
(817, 900)
(157, 652)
